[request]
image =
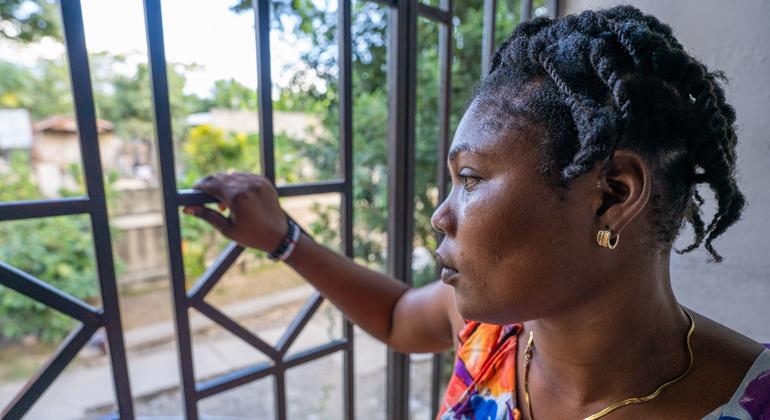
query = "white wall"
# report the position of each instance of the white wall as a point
(733, 36)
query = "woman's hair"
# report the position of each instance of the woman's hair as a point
(618, 78)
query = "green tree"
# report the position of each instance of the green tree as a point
(126, 100)
(14, 85)
(57, 250)
(28, 21)
(44, 89)
(207, 150)
(231, 94)
(316, 22)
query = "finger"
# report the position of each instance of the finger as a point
(213, 185)
(215, 219)
(202, 181)
(190, 210)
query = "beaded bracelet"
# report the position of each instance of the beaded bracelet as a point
(289, 242)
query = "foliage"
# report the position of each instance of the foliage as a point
(231, 94)
(56, 250)
(315, 21)
(44, 90)
(126, 100)
(28, 21)
(13, 82)
(208, 150)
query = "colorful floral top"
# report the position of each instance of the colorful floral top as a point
(483, 385)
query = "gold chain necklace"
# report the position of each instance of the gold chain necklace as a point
(615, 406)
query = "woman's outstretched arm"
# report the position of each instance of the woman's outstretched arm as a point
(407, 319)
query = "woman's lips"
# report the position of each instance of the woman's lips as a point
(448, 274)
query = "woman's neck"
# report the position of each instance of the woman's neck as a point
(621, 343)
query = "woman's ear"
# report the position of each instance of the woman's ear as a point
(624, 185)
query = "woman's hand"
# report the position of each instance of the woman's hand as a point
(425, 320)
(256, 218)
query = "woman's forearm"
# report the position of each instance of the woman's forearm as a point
(365, 296)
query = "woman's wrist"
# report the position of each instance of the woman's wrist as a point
(288, 244)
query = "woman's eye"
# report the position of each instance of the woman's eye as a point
(469, 182)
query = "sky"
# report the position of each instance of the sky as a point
(204, 32)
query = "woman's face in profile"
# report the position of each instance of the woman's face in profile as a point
(516, 248)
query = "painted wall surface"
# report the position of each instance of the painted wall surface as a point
(733, 36)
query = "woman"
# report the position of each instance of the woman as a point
(573, 171)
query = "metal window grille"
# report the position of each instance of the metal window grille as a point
(402, 32)
(95, 205)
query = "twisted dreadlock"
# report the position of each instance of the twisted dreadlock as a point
(617, 78)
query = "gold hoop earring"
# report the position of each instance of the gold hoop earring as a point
(605, 239)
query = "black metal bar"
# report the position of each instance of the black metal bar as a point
(435, 14)
(299, 322)
(348, 374)
(199, 198)
(435, 385)
(442, 172)
(345, 40)
(488, 36)
(402, 57)
(19, 210)
(265, 87)
(323, 187)
(279, 387)
(215, 272)
(553, 8)
(401, 78)
(39, 383)
(526, 10)
(263, 369)
(159, 80)
(314, 353)
(444, 103)
(234, 379)
(239, 331)
(85, 113)
(345, 49)
(40, 291)
(193, 198)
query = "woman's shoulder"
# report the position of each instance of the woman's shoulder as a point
(724, 346)
(751, 399)
(733, 371)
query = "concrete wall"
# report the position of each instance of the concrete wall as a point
(63, 149)
(733, 36)
(140, 240)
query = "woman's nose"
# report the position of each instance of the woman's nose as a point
(441, 220)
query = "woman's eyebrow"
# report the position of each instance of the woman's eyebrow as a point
(460, 148)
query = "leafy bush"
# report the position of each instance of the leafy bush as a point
(56, 250)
